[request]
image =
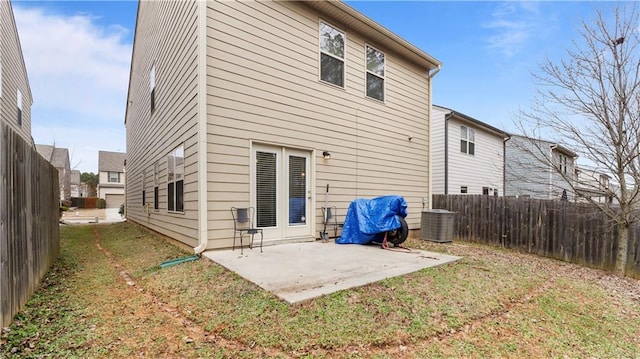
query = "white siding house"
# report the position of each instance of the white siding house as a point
(111, 178)
(467, 154)
(594, 185)
(234, 103)
(539, 169)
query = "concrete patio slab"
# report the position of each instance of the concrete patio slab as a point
(298, 272)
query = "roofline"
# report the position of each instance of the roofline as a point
(133, 49)
(469, 119)
(24, 65)
(552, 145)
(385, 36)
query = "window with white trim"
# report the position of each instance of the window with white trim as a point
(155, 187)
(375, 73)
(332, 54)
(464, 189)
(19, 105)
(467, 140)
(152, 87)
(175, 180)
(144, 197)
(114, 177)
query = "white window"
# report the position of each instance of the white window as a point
(332, 55)
(152, 86)
(562, 163)
(155, 187)
(375, 73)
(463, 189)
(467, 140)
(19, 105)
(114, 177)
(175, 180)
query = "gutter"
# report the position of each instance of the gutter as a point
(430, 167)
(203, 210)
(446, 152)
(504, 165)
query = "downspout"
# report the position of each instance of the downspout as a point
(446, 153)
(504, 165)
(430, 185)
(203, 210)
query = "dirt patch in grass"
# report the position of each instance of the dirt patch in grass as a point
(107, 297)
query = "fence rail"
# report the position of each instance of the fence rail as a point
(567, 231)
(29, 215)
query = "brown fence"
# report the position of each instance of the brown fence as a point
(571, 232)
(84, 202)
(29, 215)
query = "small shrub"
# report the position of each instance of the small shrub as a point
(101, 203)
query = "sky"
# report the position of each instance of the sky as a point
(78, 57)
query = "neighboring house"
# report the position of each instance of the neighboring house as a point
(111, 180)
(264, 104)
(594, 185)
(59, 158)
(539, 169)
(467, 154)
(76, 190)
(15, 92)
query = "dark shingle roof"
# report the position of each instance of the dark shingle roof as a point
(75, 177)
(57, 156)
(111, 161)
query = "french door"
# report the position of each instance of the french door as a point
(281, 191)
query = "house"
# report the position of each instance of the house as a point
(539, 169)
(593, 185)
(59, 158)
(15, 92)
(467, 154)
(111, 179)
(76, 189)
(264, 104)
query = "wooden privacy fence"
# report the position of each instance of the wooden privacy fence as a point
(571, 232)
(29, 227)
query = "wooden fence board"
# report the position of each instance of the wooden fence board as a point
(562, 230)
(29, 228)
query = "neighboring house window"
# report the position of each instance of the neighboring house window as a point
(155, 187)
(152, 85)
(489, 191)
(175, 180)
(19, 105)
(562, 163)
(332, 55)
(375, 73)
(463, 189)
(467, 140)
(114, 177)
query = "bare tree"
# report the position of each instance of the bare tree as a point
(590, 101)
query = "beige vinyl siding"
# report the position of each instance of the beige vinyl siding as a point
(264, 87)
(483, 169)
(14, 75)
(166, 36)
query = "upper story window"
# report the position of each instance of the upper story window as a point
(562, 163)
(152, 87)
(175, 180)
(19, 105)
(375, 73)
(467, 140)
(332, 54)
(114, 177)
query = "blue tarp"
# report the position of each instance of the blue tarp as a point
(368, 219)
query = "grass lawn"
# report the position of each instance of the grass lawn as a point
(106, 296)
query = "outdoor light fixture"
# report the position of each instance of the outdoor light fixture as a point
(326, 155)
